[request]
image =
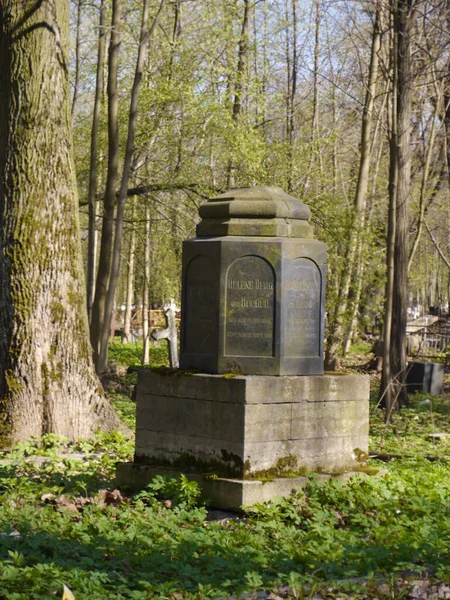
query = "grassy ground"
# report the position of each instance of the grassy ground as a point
(62, 522)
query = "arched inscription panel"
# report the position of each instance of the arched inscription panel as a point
(303, 293)
(250, 308)
(201, 307)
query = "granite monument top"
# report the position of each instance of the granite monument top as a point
(255, 211)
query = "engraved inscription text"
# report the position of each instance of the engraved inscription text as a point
(250, 306)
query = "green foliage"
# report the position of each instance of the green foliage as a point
(361, 348)
(130, 355)
(411, 429)
(59, 524)
(183, 493)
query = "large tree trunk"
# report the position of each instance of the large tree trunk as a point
(47, 382)
(386, 392)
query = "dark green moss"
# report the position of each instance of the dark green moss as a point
(169, 371)
(286, 467)
(360, 455)
(211, 468)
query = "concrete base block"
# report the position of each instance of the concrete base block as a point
(244, 425)
(234, 433)
(226, 494)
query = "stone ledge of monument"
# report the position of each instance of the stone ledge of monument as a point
(233, 494)
(266, 228)
(209, 469)
(252, 389)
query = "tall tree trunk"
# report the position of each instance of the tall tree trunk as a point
(104, 264)
(447, 113)
(336, 330)
(76, 81)
(334, 83)
(145, 289)
(404, 20)
(315, 107)
(363, 247)
(291, 99)
(47, 381)
(92, 194)
(115, 268)
(386, 390)
(428, 150)
(130, 282)
(239, 82)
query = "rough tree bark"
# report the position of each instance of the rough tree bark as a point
(386, 392)
(47, 382)
(404, 20)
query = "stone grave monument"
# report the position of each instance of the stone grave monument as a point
(250, 412)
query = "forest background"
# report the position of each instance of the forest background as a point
(345, 105)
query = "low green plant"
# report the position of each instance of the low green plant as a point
(182, 492)
(63, 522)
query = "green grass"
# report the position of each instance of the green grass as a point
(130, 355)
(410, 428)
(59, 526)
(140, 548)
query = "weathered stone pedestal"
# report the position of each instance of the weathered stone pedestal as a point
(253, 287)
(261, 414)
(230, 434)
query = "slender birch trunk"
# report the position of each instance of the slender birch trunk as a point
(145, 289)
(315, 114)
(93, 178)
(291, 104)
(130, 281)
